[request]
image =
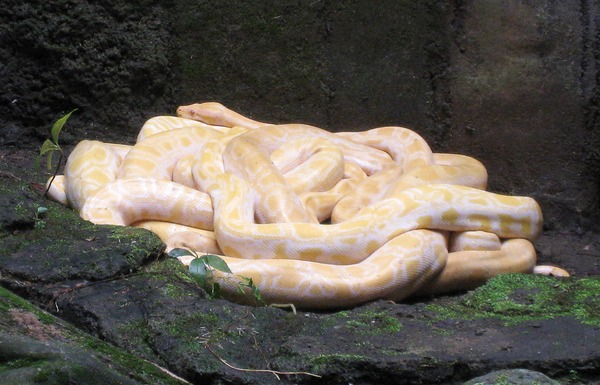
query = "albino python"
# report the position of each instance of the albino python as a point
(317, 219)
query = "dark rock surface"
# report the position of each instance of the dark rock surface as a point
(99, 57)
(515, 85)
(513, 377)
(37, 348)
(116, 284)
(59, 364)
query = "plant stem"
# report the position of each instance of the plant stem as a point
(60, 156)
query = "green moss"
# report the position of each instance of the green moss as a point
(9, 300)
(442, 331)
(376, 322)
(174, 269)
(516, 298)
(574, 377)
(430, 362)
(21, 209)
(62, 217)
(341, 314)
(195, 330)
(192, 333)
(43, 375)
(175, 291)
(504, 380)
(21, 363)
(360, 321)
(126, 234)
(141, 242)
(137, 368)
(138, 334)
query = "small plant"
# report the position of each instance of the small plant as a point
(203, 267)
(40, 223)
(51, 145)
(249, 284)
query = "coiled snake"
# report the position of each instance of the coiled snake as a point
(317, 219)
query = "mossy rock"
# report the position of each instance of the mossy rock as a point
(55, 245)
(516, 298)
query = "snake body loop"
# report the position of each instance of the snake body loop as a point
(314, 218)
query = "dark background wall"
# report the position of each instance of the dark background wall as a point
(512, 83)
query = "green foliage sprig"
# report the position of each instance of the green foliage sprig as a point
(38, 217)
(51, 145)
(203, 267)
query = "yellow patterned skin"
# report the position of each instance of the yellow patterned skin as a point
(216, 114)
(90, 166)
(159, 124)
(317, 219)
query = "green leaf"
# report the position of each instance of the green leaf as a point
(178, 252)
(201, 280)
(198, 267)
(249, 283)
(241, 289)
(41, 210)
(256, 293)
(49, 161)
(48, 146)
(58, 125)
(216, 262)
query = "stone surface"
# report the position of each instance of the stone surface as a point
(61, 364)
(518, 100)
(116, 284)
(513, 377)
(37, 348)
(102, 58)
(515, 85)
(512, 84)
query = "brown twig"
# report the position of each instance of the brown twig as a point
(7, 174)
(169, 373)
(276, 373)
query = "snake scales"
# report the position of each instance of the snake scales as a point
(315, 218)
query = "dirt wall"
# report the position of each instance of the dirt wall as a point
(512, 83)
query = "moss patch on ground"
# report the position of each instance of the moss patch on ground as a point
(56, 245)
(516, 298)
(363, 321)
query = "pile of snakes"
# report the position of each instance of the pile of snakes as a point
(316, 219)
